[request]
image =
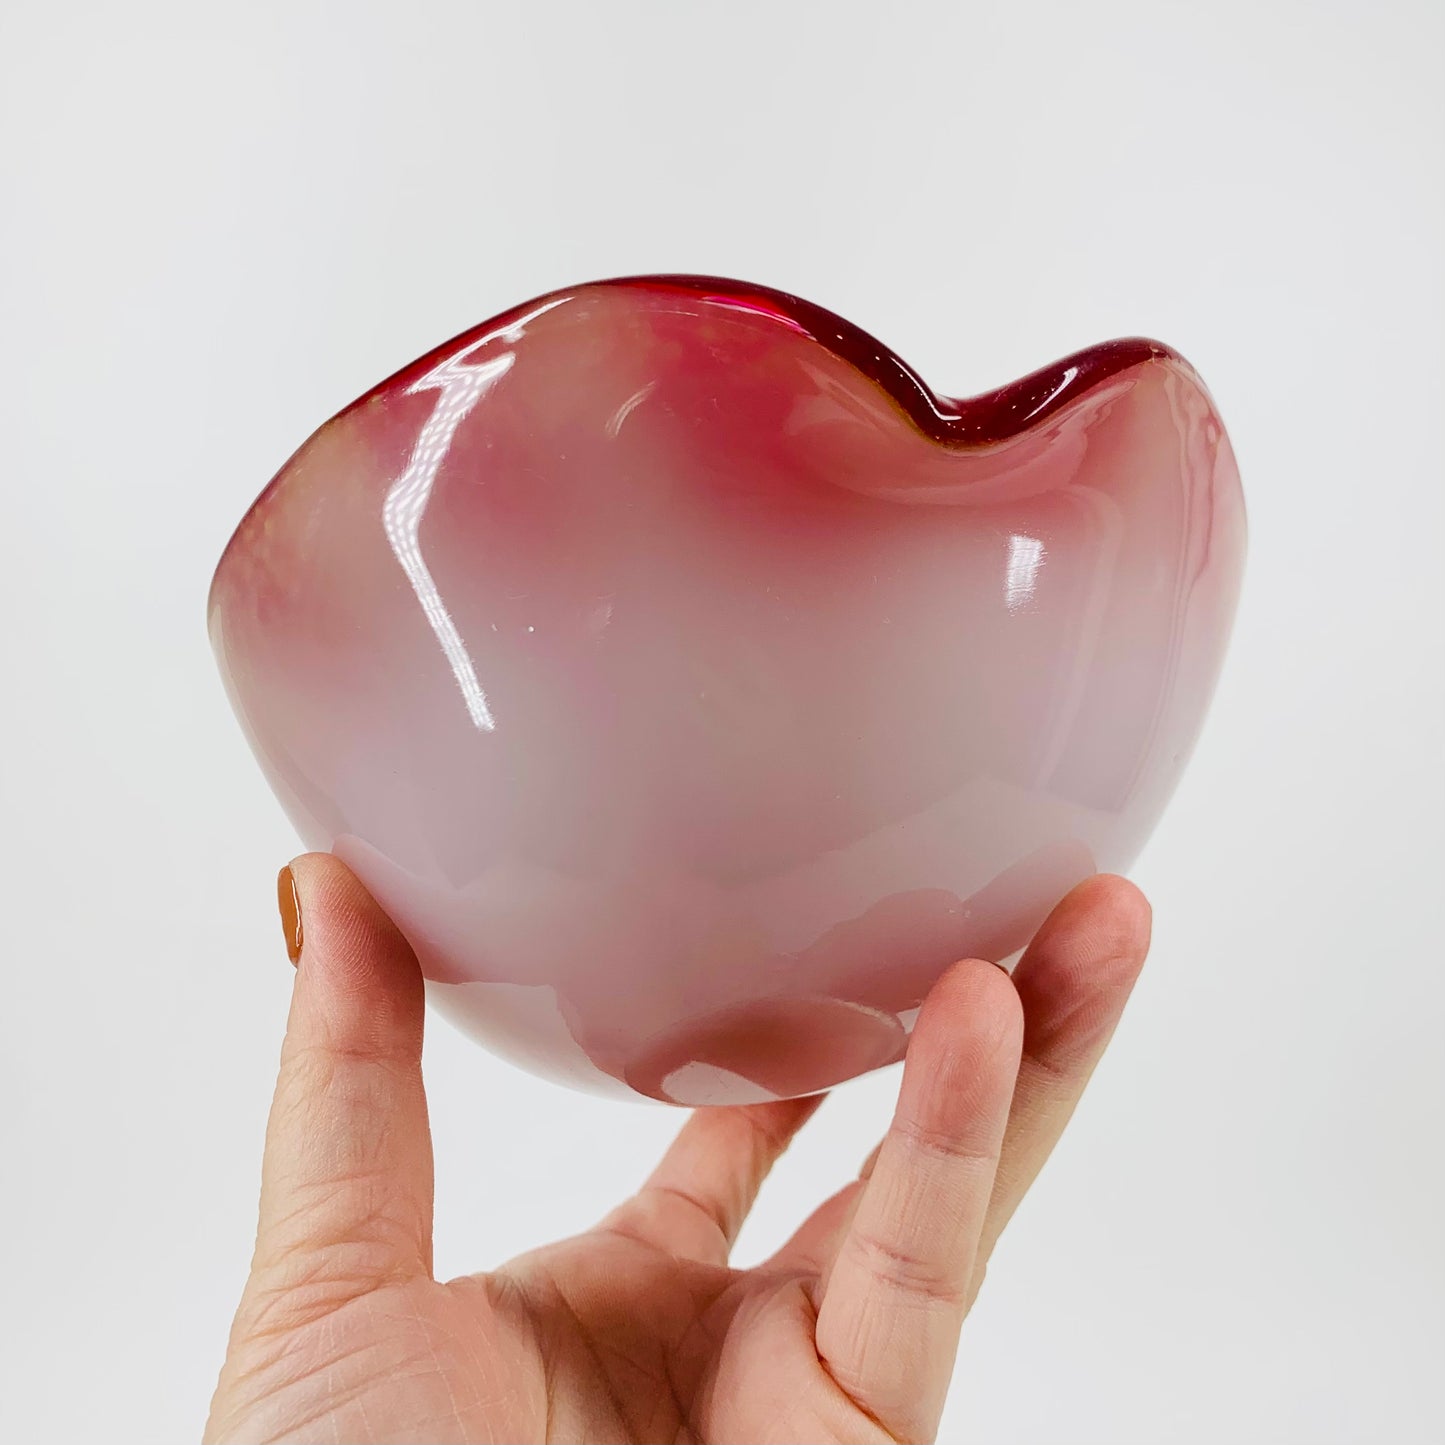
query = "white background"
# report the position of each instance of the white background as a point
(220, 223)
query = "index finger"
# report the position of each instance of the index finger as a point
(1073, 981)
(900, 1285)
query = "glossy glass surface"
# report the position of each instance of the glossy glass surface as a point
(693, 686)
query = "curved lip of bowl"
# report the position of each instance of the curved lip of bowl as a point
(973, 423)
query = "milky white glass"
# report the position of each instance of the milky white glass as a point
(693, 686)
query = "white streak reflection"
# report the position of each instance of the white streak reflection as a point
(462, 384)
(1064, 382)
(1025, 557)
(461, 387)
(628, 407)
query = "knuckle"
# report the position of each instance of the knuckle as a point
(907, 1271)
(944, 1146)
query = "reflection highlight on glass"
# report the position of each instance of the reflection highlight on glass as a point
(462, 384)
(1025, 557)
(461, 387)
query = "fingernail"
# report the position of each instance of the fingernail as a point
(290, 905)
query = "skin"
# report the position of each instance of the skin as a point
(639, 1330)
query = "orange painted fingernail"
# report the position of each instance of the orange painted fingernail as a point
(289, 903)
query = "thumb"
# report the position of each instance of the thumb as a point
(346, 1187)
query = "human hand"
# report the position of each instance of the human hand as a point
(638, 1330)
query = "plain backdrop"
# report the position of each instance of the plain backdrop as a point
(219, 223)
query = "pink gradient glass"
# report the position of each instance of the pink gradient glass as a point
(693, 685)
